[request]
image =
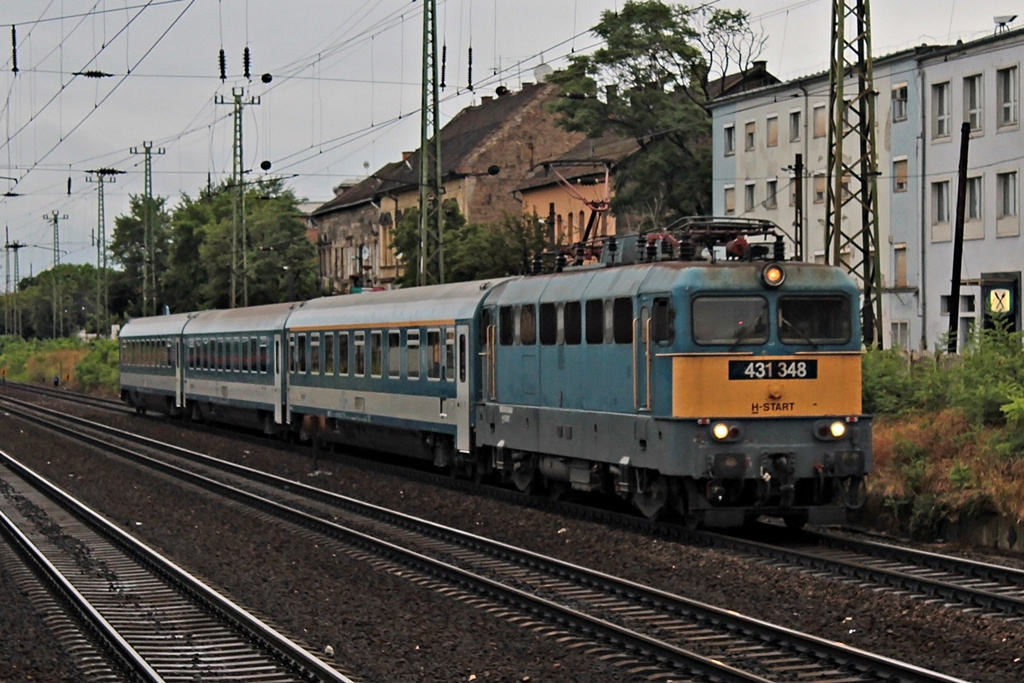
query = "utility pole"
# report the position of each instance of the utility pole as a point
(148, 238)
(100, 176)
(854, 181)
(238, 206)
(12, 317)
(431, 256)
(55, 217)
(798, 207)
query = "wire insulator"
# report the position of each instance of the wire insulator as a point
(223, 66)
(14, 48)
(69, 186)
(246, 61)
(469, 77)
(444, 63)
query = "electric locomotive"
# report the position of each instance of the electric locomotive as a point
(721, 389)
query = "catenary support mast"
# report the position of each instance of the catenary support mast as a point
(853, 162)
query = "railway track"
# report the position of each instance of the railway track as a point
(643, 628)
(956, 582)
(153, 619)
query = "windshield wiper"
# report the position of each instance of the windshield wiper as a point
(800, 333)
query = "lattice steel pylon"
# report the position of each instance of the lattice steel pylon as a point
(852, 180)
(431, 251)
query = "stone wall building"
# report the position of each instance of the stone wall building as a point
(510, 131)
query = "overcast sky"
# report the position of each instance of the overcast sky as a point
(344, 98)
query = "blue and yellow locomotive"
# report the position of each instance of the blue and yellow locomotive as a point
(719, 389)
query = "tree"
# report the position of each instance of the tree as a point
(472, 251)
(127, 248)
(279, 259)
(650, 82)
(485, 251)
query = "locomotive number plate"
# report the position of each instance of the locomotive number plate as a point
(773, 369)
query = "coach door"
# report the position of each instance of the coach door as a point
(462, 373)
(279, 393)
(179, 364)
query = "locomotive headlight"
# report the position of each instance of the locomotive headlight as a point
(773, 275)
(720, 431)
(837, 429)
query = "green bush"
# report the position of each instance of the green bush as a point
(99, 369)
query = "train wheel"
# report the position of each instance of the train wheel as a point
(524, 474)
(795, 522)
(651, 497)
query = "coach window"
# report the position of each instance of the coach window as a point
(433, 354)
(314, 353)
(343, 354)
(376, 360)
(221, 354)
(236, 354)
(449, 355)
(573, 322)
(733, 320)
(595, 321)
(548, 324)
(292, 353)
(528, 324)
(622, 320)
(360, 351)
(506, 328)
(394, 353)
(300, 348)
(263, 354)
(329, 340)
(663, 321)
(412, 357)
(246, 355)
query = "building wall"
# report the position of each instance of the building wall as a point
(992, 243)
(565, 216)
(756, 138)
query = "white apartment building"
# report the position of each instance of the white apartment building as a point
(923, 95)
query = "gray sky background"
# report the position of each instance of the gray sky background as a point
(344, 98)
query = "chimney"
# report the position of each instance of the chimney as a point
(406, 155)
(759, 65)
(485, 99)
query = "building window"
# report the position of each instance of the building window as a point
(748, 197)
(794, 126)
(772, 131)
(1006, 96)
(899, 264)
(771, 189)
(820, 188)
(749, 136)
(940, 202)
(940, 110)
(974, 102)
(899, 175)
(972, 208)
(899, 102)
(900, 334)
(1006, 194)
(729, 139)
(730, 200)
(820, 121)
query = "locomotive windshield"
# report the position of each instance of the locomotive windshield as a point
(734, 320)
(814, 320)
